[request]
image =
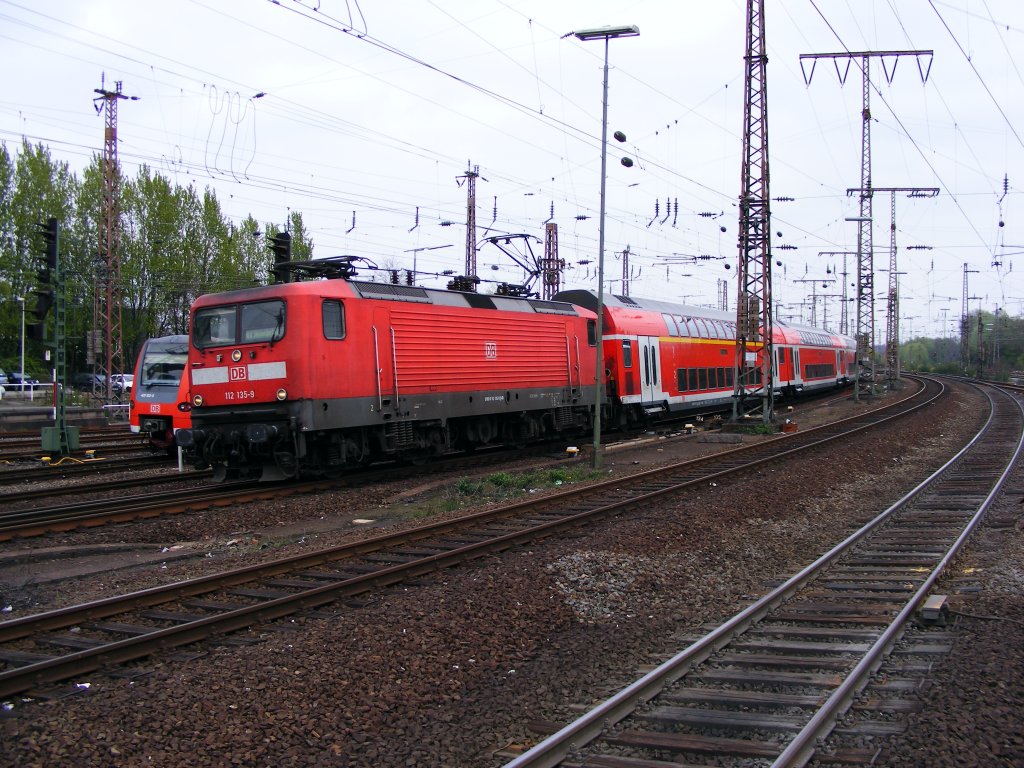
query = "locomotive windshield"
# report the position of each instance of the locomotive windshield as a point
(162, 366)
(256, 322)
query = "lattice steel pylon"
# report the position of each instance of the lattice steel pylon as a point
(752, 375)
(107, 294)
(965, 325)
(865, 329)
(625, 272)
(471, 176)
(892, 321)
(551, 267)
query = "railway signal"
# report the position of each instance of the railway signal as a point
(48, 278)
(60, 438)
(281, 245)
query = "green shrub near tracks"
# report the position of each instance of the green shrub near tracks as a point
(498, 487)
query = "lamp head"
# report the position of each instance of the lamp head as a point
(603, 33)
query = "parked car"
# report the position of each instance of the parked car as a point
(122, 382)
(3, 378)
(88, 381)
(15, 383)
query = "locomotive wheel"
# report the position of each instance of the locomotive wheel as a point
(286, 463)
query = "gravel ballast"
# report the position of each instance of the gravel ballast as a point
(451, 670)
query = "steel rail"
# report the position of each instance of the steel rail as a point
(101, 486)
(802, 747)
(27, 523)
(556, 747)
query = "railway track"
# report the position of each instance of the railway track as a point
(32, 435)
(128, 627)
(92, 513)
(77, 468)
(100, 486)
(40, 520)
(768, 685)
(33, 452)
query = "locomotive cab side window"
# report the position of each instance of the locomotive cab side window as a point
(333, 313)
(592, 332)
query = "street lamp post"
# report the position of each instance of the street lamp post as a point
(606, 34)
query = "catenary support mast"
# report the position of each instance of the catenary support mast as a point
(107, 295)
(471, 176)
(753, 389)
(865, 327)
(892, 321)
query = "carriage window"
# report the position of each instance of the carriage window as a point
(334, 320)
(592, 332)
(627, 354)
(692, 375)
(702, 378)
(681, 379)
(670, 323)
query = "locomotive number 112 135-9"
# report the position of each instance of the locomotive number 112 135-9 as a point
(240, 394)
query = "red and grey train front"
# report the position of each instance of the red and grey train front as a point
(242, 418)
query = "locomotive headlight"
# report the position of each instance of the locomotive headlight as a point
(236, 355)
(197, 401)
(282, 394)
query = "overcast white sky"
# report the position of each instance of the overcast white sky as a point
(373, 109)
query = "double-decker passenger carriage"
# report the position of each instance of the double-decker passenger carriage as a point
(159, 404)
(809, 359)
(663, 358)
(312, 376)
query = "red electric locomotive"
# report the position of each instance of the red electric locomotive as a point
(663, 358)
(159, 404)
(312, 376)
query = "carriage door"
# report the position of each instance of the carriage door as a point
(650, 369)
(383, 355)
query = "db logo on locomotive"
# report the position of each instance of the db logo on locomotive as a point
(490, 350)
(237, 373)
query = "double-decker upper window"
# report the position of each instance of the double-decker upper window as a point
(253, 323)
